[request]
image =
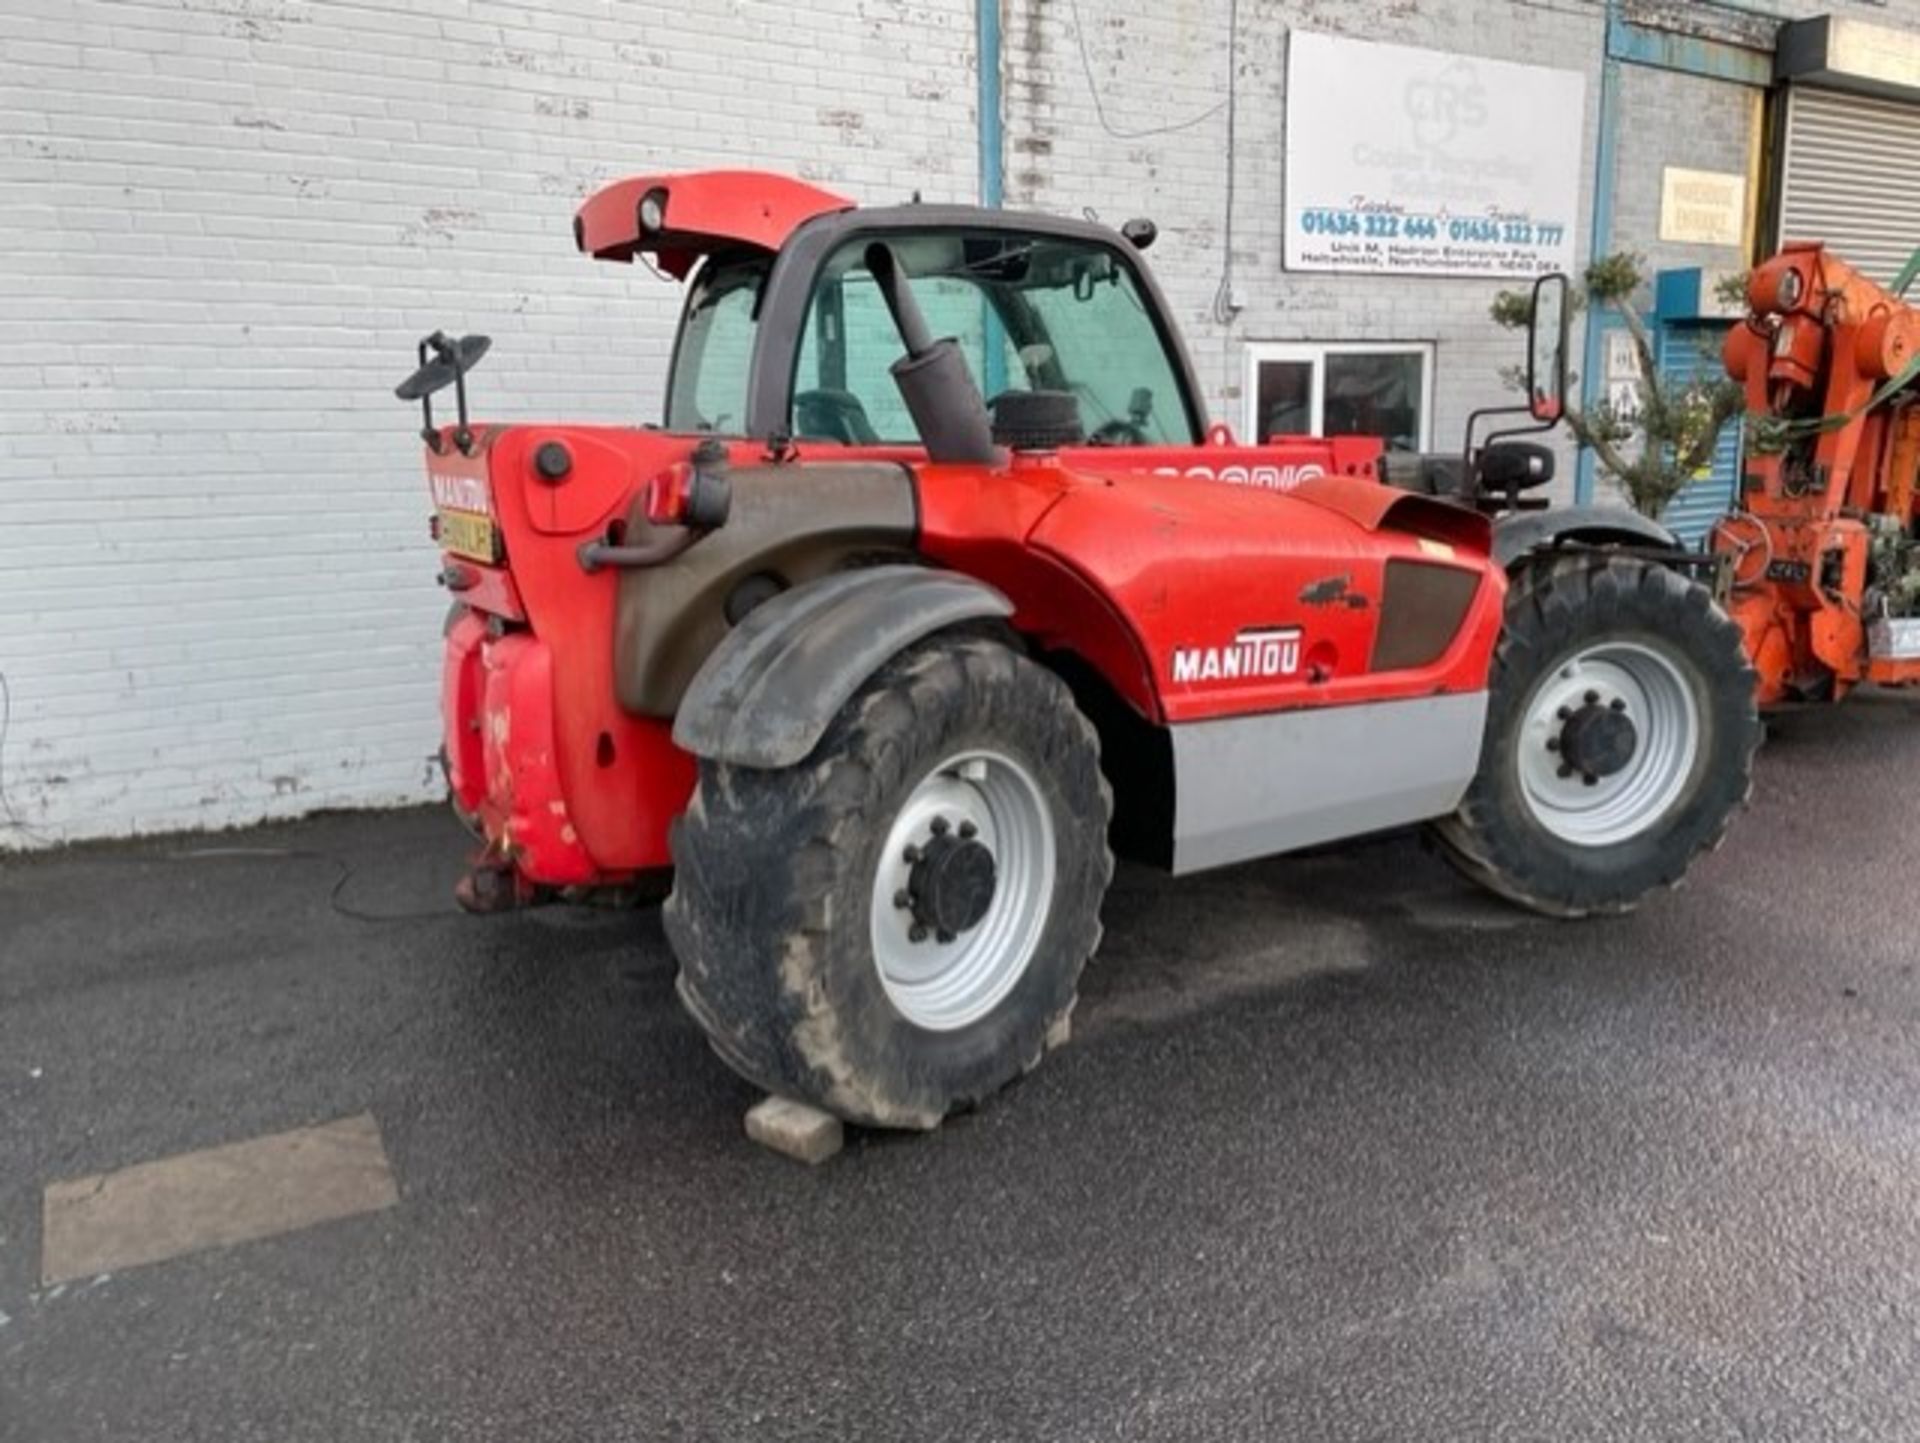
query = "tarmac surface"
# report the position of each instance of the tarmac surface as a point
(1340, 1149)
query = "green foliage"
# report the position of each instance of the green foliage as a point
(1512, 309)
(1731, 289)
(1612, 280)
(1655, 446)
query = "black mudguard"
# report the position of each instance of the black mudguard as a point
(767, 692)
(1520, 533)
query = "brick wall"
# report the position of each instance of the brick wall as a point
(224, 223)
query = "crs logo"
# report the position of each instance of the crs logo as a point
(1256, 653)
(1444, 104)
(1266, 478)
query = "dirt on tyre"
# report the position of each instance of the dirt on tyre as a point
(1619, 742)
(892, 928)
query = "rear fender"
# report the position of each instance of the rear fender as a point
(766, 694)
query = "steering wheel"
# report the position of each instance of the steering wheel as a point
(1744, 537)
(1118, 433)
(835, 416)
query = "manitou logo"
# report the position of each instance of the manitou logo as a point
(1256, 653)
(460, 493)
(1267, 478)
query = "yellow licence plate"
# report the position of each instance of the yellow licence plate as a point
(465, 533)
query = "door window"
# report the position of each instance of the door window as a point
(1355, 389)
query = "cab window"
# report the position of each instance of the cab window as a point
(1030, 313)
(708, 388)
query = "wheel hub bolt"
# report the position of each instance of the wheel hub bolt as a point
(968, 831)
(951, 887)
(1619, 703)
(1597, 741)
(938, 826)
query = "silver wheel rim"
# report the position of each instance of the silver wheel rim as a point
(1644, 684)
(943, 985)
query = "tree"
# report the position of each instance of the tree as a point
(1676, 424)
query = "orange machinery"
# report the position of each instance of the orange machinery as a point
(1824, 562)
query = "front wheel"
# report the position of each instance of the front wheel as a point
(1620, 733)
(893, 928)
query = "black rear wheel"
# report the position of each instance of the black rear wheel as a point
(892, 929)
(1620, 734)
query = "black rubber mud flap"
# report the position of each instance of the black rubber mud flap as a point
(1556, 611)
(771, 911)
(767, 693)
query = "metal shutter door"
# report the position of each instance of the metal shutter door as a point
(1851, 177)
(1692, 353)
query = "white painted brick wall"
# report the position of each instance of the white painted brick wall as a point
(223, 224)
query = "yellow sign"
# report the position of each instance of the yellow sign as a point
(1702, 207)
(465, 534)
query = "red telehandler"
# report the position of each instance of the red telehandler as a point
(1822, 550)
(882, 669)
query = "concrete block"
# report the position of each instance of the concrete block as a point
(795, 1129)
(1061, 1033)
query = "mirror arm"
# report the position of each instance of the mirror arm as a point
(429, 433)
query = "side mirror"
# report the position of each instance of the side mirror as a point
(1547, 328)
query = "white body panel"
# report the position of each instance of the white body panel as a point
(1894, 638)
(1251, 786)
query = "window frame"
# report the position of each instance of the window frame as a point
(1315, 353)
(797, 267)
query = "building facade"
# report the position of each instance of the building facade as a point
(225, 223)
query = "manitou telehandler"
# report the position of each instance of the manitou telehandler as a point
(881, 670)
(1822, 546)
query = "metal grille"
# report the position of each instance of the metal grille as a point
(1851, 177)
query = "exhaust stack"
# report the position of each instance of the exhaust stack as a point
(933, 378)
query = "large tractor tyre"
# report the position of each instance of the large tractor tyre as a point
(892, 929)
(1619, 742)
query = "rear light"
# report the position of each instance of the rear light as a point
(689, 495)
(667, 495)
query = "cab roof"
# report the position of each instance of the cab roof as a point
(702, 211)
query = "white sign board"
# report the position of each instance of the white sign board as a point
(1702, 207)
(1418, 162)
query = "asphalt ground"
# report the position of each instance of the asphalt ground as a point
(1340, 1150)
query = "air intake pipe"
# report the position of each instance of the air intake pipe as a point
(933, 378)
